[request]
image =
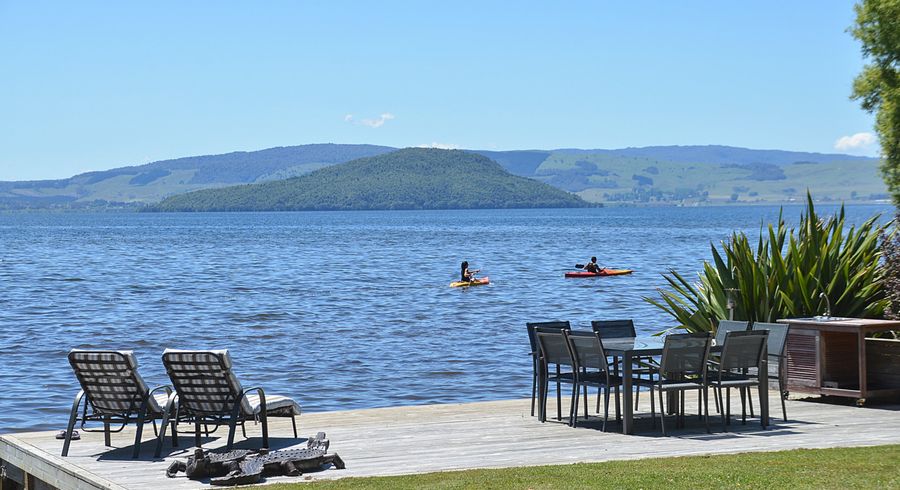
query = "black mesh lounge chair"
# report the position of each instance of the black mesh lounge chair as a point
(589, 368)
(553, 350)
(742, 351)
(536, 354)
(682, 367)
(775, 346)
(113, 393)
(208, 392)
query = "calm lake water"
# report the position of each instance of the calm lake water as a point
(339, 310)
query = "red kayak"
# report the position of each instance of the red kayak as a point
(603, 272)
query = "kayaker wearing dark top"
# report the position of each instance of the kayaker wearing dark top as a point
(465, 274)
(592, 266)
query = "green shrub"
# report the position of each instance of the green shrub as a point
(785, 274)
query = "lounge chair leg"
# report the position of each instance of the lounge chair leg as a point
(106, 432)
(232, 428)
(294, 425)
(652, 409)
(699, 404)
(244, 429)
(138, 431)
(73, 416)
(197, 442)
(265, 428)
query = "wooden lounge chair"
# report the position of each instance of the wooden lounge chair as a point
(113, 393)
(208, 392)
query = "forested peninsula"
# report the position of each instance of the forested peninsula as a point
(412, 178)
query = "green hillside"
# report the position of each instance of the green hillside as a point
(655, 174)
(413, 178)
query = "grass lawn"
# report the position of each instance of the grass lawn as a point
(866, 467)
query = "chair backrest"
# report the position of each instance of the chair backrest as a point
(777, 337)
(532, 339)
(685, 354)
(726, 326)
(742, 350)
(552, 343)
(614, 329)
(110, 380)
(586, 350)
(204, 381)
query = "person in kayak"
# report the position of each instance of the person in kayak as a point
(592, 266)
(465, 274)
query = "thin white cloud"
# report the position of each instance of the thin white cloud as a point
(855, 143)
(442, 146)
(372, 123)
(379, 122)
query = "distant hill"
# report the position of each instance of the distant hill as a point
(663, 174)
(412, 178)
(155, 181)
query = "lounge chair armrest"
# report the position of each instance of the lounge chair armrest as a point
(262, 399)
(168, 389)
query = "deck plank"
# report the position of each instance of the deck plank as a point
(418, 439)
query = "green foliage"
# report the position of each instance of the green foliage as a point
(414, 178)
(784, 274)
(878, 86)
(890, 247)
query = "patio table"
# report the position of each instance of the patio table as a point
(630, 349)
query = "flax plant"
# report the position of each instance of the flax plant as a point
(784, 275)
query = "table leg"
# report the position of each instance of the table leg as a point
(627, 416)
(764, 389)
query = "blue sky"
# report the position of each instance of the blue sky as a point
(90, 86)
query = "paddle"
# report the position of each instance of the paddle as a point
(579, 266)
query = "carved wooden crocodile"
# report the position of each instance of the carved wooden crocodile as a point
(244, 467)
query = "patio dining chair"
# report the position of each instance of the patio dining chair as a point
(553, 350)
(741, 351)
(536, 354)
(589, 368)
(682, 367)
(726, 326)
(113, 393)
(776, 343)
(619, 329)
(722, 329)
(208, 392)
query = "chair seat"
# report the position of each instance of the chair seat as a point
(673, 384)
(598, 379)
(733, 380)
(158, 402)
(276, 405)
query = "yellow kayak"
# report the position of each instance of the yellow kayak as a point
(477, 282)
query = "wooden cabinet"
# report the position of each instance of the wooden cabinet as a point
(834, 357)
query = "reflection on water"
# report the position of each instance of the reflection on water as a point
(339, 310)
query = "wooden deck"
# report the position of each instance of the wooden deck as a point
(418, 439)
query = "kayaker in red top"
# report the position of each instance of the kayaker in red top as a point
(465, 274)
(592, 266)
